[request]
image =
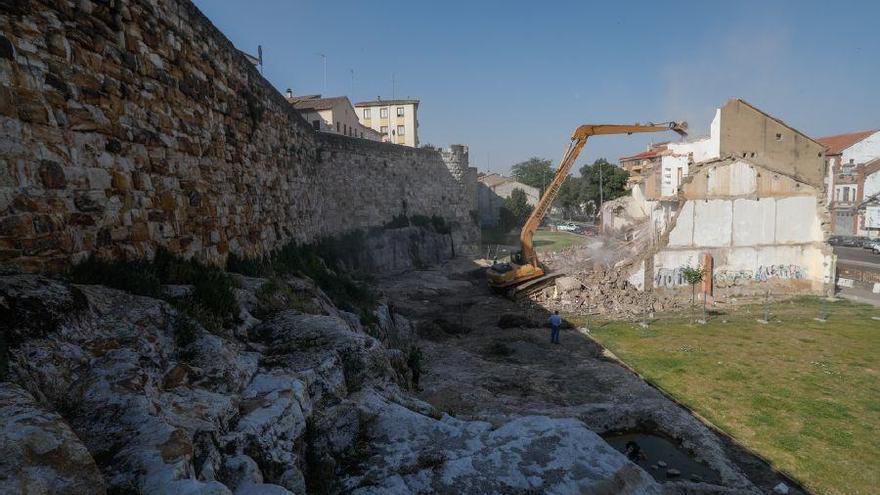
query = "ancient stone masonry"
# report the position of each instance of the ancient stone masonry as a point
(125, 126)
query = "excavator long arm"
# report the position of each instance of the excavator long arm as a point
(578, 140)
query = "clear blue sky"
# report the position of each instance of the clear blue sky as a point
(512, 79)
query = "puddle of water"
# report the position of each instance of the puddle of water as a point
(657, 450)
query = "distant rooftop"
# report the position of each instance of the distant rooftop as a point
(835, 145)
(655, 151)
(381, 103)
(316, 102)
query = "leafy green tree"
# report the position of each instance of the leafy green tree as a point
(570, 196)
(518, 204)
(692, 276)
(535, 172)
(613, 181)
(515, 211)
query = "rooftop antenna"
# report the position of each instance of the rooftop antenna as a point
(393, 85)
(351, 91)
(324, 85)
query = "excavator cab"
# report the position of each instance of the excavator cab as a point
(525, 271)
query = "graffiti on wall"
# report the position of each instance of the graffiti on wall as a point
(785, 272)
(674, 277)
(733, 278)
(668, 278)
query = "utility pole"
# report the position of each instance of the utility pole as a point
(601, 194)
(393, 86)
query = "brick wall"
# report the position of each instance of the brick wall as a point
(129, 125)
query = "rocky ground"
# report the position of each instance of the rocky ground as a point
(477, 370)
(107, 392)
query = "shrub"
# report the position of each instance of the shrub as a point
(258, 266)
(398, 222)
(212, 302)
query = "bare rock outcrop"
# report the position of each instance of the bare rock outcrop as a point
(38, 451)
(296, 402)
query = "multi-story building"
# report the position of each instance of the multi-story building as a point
(639, 164)
(396, 120)
(846, 155)
(335, 115)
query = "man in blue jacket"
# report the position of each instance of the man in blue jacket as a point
(555, 323)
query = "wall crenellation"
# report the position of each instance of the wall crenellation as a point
(128, 126)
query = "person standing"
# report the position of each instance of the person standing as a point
(555, 323)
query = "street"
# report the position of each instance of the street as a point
(855, 255)
(858, 258)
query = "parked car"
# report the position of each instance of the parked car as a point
(875, 247)
(849, 241)
(566, 227)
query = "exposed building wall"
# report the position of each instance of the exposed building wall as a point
(131, 126)
(707, 148)
(749, 133)
(758, 226)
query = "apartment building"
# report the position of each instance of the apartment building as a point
(396, 120)
(846, 158)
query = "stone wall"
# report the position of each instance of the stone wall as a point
(125, 126)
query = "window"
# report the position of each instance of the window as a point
(337, 127)
(846, 194)
(779, 136)
(383, 113)
(316, 124)
(366, 113)
(400, 111)
(400, 130)
(383, 129)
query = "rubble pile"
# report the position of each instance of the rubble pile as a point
(604, 292)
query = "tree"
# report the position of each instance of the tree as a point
(535, 172)
(515, 211)
(518, 203)
(693, 276)
(570, 196)
(613, 181)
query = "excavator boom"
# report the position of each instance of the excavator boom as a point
(527, 267)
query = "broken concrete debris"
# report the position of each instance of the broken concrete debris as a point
(604, 291)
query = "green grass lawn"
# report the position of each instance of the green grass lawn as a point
(804, 394)
(546, 241)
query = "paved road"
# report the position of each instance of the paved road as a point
(860, 258)
(856, 256)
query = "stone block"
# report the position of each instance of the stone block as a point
(52, 174)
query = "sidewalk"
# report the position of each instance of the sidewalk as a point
(860, 295)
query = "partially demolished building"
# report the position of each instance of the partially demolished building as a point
(751, 195)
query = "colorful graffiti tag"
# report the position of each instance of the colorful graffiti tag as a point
(785, 272)
(669, 278)
(673, 277)
(733, 278)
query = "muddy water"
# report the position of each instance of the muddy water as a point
(657, 450)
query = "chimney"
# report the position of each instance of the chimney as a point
(289, 93)
(378, 98)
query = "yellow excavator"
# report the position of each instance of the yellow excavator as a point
(524, 270)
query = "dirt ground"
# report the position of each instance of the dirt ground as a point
(475, 369)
